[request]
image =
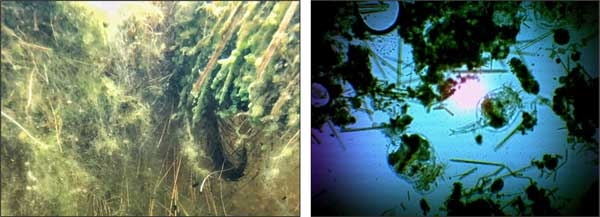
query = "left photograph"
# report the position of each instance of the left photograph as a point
(150, 108)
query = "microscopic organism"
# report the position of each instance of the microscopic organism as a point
(497, 185)
(496, 111)
(479, 139)
(414, 161)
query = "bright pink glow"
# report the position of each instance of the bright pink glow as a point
(468, 94)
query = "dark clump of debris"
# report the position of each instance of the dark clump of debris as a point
(480, 207)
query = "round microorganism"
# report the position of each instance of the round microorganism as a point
(496, 111)
(561, 36)
(497, 185)
(414, 161)
(479, 139)
(499, 107)
(492, 110)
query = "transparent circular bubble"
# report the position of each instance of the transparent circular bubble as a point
(319, 95)
(414, 160)
(379, 16)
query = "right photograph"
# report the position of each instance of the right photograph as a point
(454, 108)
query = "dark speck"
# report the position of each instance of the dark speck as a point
(557, 60)
(576, 56)
(424, 206)
(497, 185)
(561, 36)
(283, 198)
(551, 162)
(538, 164)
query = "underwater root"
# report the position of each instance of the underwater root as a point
(275, 41)
(175, 191)
(23, 42)
(232, 27)
(57, 127)
(210, 198)
(29, 91)
(100, 206)
(212, 173)
(221, 190)
(21, 127)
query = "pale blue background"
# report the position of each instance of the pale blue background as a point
(358, 180)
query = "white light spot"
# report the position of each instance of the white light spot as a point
(468, 94)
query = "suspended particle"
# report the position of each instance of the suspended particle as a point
(424, 206)
(576, 56)
(479, 139)
(550, 161)
(497, 185)
(561, 36)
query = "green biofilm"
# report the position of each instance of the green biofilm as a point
(90, 96)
